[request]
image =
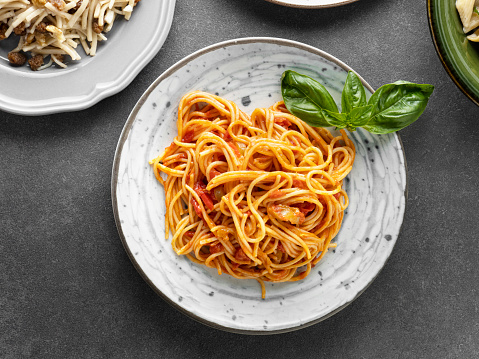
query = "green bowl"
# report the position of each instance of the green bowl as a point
(459, 56)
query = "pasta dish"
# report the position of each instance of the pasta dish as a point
(55, 28)
(256, 197)
(469, 13)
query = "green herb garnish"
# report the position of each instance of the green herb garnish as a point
(391, 108)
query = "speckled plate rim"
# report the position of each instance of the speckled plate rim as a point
(448, 65)
(77, 102)
(124, 135)
(333, 3)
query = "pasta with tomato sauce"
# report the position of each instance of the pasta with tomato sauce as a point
(256, 197)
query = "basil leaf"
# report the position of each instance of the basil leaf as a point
(359, 116)
(353, 94)
(391, 108)
(339, 120)
(306, 98)
(397, 105)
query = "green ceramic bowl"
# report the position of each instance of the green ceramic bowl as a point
(459, 56)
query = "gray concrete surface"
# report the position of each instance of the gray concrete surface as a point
(68, 289)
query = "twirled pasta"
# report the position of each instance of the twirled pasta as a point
(469, 13)
(254, 197)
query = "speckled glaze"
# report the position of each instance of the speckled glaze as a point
(248, 71)
(312, 4)
(84, 83)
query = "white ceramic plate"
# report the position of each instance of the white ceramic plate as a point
(130, 46)
(248, 72)
(312, 4)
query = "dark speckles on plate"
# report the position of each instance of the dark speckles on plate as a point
(195, 287)
(388, 237)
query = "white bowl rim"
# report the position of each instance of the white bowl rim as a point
(124, 135)
(331, 3)
(84, 101)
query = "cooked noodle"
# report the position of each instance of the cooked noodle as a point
(469, 14)
(56, 27)
(254, 197)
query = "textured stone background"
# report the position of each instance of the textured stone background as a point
(68, 289)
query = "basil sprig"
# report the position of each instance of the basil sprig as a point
(391, 108)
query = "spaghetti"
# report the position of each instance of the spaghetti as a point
(55, 28)
(255, 196)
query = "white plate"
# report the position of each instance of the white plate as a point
(130, 46)
(312, 4)
(248, 72)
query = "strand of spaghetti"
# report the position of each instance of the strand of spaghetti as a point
(238, 176)
(292, 237)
